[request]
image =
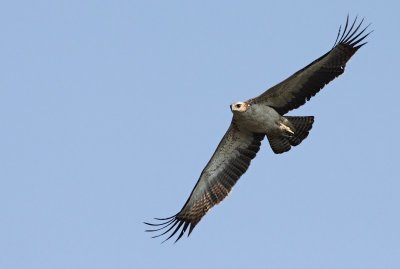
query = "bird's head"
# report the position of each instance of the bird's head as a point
(239, 106)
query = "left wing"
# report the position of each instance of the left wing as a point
(307, 82)
(229, 161)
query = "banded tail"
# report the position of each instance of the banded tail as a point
(283, 142)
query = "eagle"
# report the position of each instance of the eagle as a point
(259, 117)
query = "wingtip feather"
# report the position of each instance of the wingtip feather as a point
(173, 224)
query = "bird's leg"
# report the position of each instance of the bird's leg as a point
(285, 128)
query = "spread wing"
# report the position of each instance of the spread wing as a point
(229, 161)
(305, 83)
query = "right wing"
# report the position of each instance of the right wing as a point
(229, 161)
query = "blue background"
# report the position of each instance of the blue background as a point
(109, 111)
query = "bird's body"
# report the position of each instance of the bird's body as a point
(259, 117)
(282, 132)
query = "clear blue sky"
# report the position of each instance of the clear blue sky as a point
(109, 111)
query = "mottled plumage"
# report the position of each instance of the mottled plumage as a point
(252, 121)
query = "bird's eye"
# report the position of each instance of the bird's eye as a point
(237, 105)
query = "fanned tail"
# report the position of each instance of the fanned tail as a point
(283, 143)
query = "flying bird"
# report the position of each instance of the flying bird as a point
(259, 117)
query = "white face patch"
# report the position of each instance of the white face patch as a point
(240, 106)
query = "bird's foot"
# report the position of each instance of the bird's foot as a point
(286, 129)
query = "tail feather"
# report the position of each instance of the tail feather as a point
(302, 127)
(279, 144)
(283, 143)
